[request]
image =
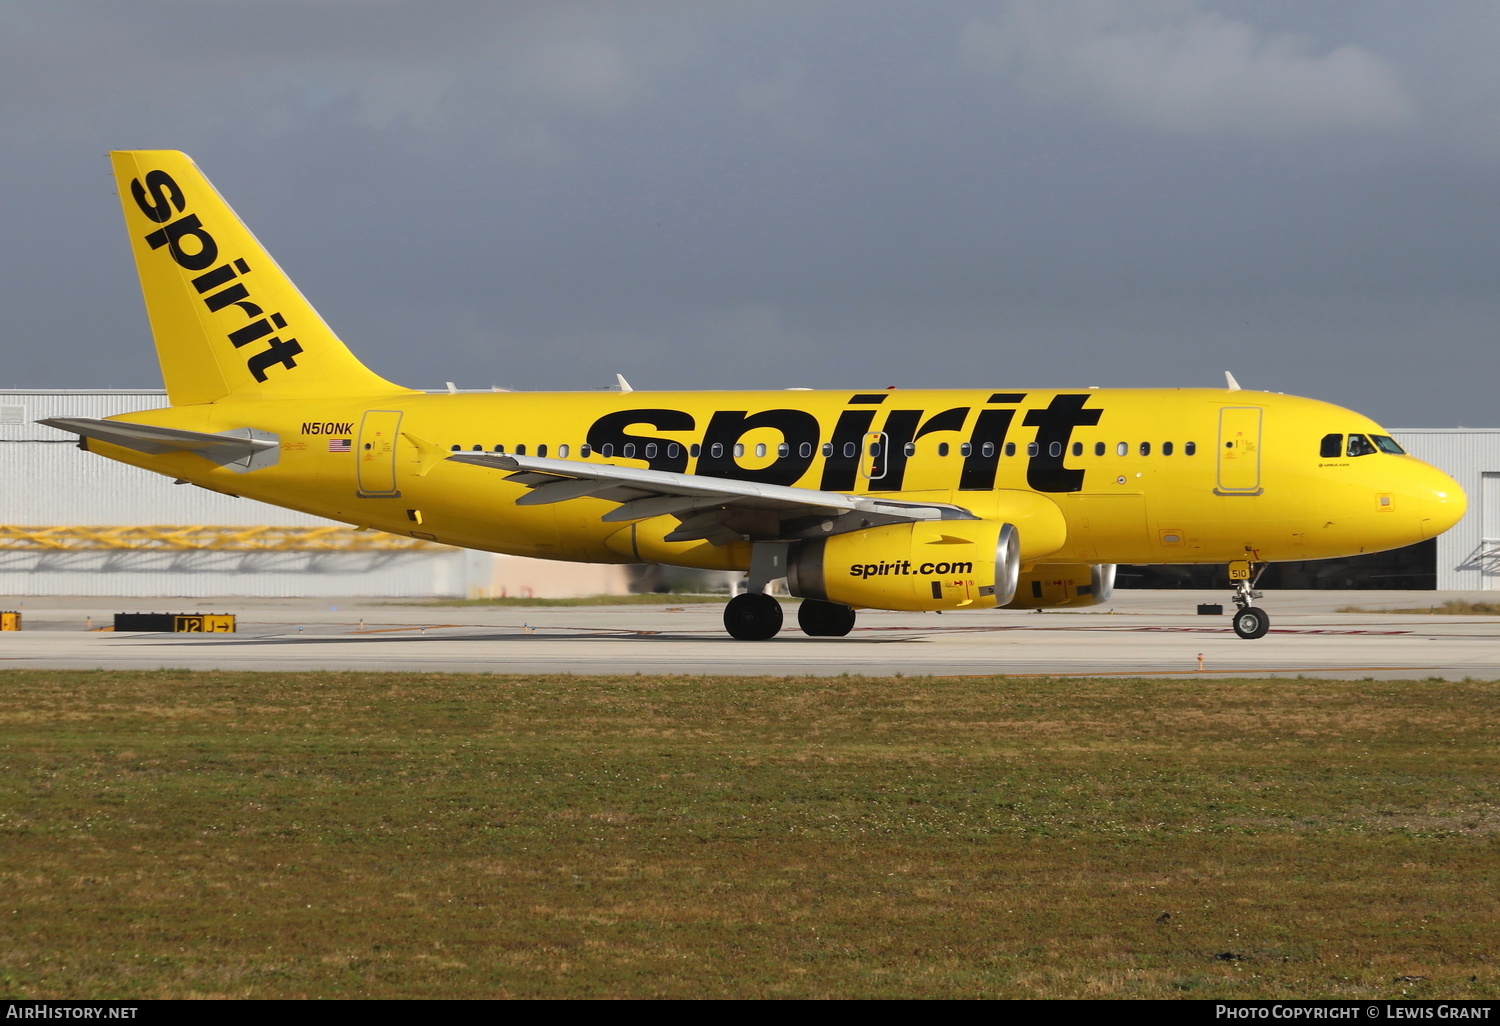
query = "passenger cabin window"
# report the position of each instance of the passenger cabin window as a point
(1189, 448)
(628, 450)
(650, 450)
(1332, 447)
(607, 450)
(987, 449)
(739, 449)
(827, 450)
(1385, 443)
(1122, 448)
(1359, 445)
(783, 450)
(585, 450)
(850, 450)
(562, 451)
(1054, 449)
(672, 450)
(1031, 448)
(520, 449)
(541, 450)
(1010, 448)
(499, 448)
(1077, 448)
(1145, 448)
(805, 450)
(1098, 448)
(760, 449)
(942, 448)
(965, 448)
(454, 448)
(910, 449)
(1166, 448)
(716, 450)
(694, 450)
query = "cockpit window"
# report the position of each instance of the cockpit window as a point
(1359, 445)
(1332, 447)
(1388, 444)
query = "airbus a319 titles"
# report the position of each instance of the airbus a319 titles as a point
(859, 498)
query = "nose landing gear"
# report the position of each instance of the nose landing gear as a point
(1250, 621)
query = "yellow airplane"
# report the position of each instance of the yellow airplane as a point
(859, 498)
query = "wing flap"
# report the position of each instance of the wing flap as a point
(718, 510)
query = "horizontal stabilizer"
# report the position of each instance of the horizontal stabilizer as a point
(239, 447)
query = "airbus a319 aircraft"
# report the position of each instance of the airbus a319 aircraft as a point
(860, 498)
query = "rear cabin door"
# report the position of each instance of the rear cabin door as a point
(377, 454)
(1239, 451)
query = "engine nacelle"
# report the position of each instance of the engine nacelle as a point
(1051, 585)
(929, 564)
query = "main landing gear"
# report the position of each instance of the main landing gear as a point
(756, 616)
(819, 619)
(1250, 622)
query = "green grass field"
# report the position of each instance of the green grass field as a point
(174, 834)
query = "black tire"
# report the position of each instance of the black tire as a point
(752, 617)
(819, 619)
(1251, 623)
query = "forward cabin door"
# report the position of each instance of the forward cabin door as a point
(377, 454)
(1239, 451)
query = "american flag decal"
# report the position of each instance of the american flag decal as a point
(340, 445)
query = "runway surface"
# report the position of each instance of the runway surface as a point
(1137, 633)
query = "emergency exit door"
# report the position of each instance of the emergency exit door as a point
(376, 456)
(1239, 451)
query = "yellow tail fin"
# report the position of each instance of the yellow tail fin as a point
(229, 324)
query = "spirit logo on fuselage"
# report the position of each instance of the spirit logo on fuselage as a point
(194, 249)
(847, 448)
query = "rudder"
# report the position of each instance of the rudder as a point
(228, 323)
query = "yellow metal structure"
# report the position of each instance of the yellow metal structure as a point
(170, 538)
(10, 621)
(268, 403)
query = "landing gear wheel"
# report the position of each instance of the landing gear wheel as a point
(1251, 623)
(819, 619)
(752, 617)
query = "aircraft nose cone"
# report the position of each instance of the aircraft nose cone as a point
(1441, 503)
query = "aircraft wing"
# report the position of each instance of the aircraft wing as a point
(230, 447)
(715, 509)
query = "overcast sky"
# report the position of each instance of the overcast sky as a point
(803, 193)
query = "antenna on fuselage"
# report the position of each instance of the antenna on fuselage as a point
(624, 385)
(1230, 383)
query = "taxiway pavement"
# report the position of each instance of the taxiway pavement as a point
(1136, 633)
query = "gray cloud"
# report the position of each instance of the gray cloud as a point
(790, 193)
(1174, 66)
